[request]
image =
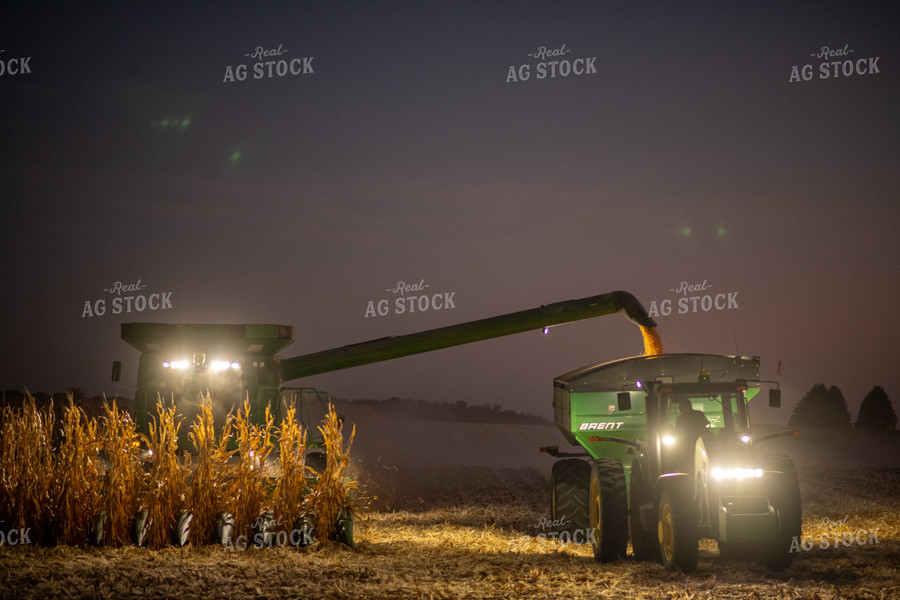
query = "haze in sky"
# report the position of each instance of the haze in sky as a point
(734, 166)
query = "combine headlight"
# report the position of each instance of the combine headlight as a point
(176, 365)
(720, 474)
(224, 365)
(745, 439)
(668, 440)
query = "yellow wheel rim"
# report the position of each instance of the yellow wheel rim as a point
(664, 532)
(595, 514)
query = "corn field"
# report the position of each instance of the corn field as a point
(74, 480)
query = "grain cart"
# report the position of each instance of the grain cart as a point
(670, 454)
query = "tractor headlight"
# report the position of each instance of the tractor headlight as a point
(668, 440)
(719, 474)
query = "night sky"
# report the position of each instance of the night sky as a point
(682, 150)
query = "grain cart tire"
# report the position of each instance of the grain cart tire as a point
(608, 510)
(677, 529)
(570, 481)
(783, 489)
(644, 544)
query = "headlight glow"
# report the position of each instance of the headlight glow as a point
(668, 440)
(745, 439)
(720, 474)
(224, 365)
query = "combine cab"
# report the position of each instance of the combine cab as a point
(669, 454)
(229, 362)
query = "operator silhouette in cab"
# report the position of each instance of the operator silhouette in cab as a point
(694, 422)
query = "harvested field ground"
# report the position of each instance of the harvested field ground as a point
(474, 533)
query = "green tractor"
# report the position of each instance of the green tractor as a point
(669, 455)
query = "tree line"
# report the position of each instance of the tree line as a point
(824, 406)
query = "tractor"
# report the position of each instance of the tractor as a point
(669, 456)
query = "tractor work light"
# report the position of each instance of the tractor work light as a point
(720, 474)
(745, 439)
(668, 440)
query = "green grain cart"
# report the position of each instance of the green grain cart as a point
(668, 453)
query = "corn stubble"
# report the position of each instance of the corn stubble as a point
(74, 479)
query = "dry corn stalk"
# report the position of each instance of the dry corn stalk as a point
(211, 473)
(124, 477)
(78, 476)
(166, 494)
(27, 467)
(290, 492)
(248, 493)
(333, 493)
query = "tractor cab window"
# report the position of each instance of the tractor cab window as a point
(735, 417)
(683, 415)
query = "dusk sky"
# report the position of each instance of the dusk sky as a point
(508, 154)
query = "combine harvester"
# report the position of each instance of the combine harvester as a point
(234, 364)
(238, 362)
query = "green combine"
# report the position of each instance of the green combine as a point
(234, 363)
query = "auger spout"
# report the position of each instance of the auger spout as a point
(464, 333)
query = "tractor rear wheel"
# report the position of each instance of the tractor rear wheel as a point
(608, 510)
(644, 544)
(570, 481)
(677, 529)
(784, 495)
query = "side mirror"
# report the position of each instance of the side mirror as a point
(624, 401)
(775, 398)
(117, 371)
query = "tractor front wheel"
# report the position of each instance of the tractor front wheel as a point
(644, 544)
(677, 530)
(783, 488)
